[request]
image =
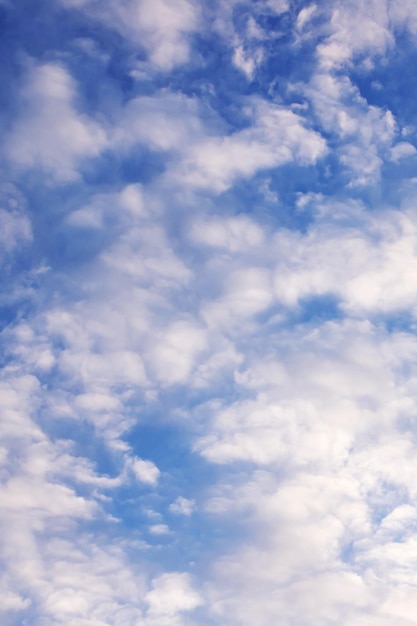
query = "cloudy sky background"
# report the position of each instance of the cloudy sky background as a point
(208, 247)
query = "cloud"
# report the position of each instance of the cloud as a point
(278, 6)
(322, 488)
(159, 529)
(15, 230)
(402, 150)
(145, 471)
(247, 61)
(162, 28)
(403, 14)
(173, 356)
(88, 583)
(170, 594)
(276, 136)
(182, 506)
(305, 16)
(370, 262)
(246, 292)
(363, 133)
(352, 36)
(165, 29)
(99, 211)
(366, 275)
(168, 327)
(234, 234)
(199, 157)
(50, 135)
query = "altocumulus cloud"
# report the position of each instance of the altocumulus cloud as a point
(208, 249)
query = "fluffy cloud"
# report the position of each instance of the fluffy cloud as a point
(209, 253)
(170, 594)
(145, 471)
(364, 133)
(276, 136)
(235, 234)
(182, 506)
(323, 426)
(370, 34)
(371, 268)
(201, 158)
(50, 135)
(163, 28)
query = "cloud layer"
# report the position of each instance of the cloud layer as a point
(208, 244)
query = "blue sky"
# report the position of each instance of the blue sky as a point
(208, 248)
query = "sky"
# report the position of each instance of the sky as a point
(208, 313)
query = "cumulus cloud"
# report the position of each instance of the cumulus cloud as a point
(402, 150)
(276, 136)
(50, 135)
(201, 158)
(170, 594)
(377, 264)
(235, 234)
(364, 133)
(208, 243)
(328, 483)
(182, 506)
(163, 29)
(145, 471)
(349, 37)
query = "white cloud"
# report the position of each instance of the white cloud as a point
(247, 61)
(145, 471)
(246, 292)
(357, 27)
(118, 367)
(165, 121)
(371, 269)
(170, 594)
(162, 28)
(12, 601)
(234, 234)
(15, 230)
(47, 559)
(175, 351)
(89, 582)
(192, 308)
(402, 150)
(276, 136)
(364, 133)
(336, 492)
(305, 16)
(165, 28)
(157, 261)
(159, 529)
(47, 499)
(182, 506)
(202, 157)
(102, 209)
(51, 135)
(20, 396)
(278, 6)
(403, 14)
(308, 409)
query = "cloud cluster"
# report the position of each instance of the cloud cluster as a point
(163, 29)
(50, 134)
(209, 246)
